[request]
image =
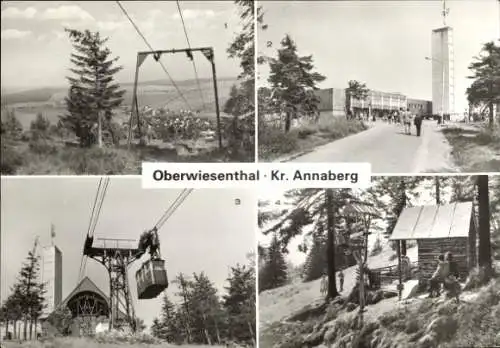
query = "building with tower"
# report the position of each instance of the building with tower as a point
(443, 91)
(443, 69)
(52, 277)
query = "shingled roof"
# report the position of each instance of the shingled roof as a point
(434, 221)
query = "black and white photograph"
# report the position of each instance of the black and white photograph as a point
(101, 262)
(409, 86)
(413, 261)
(98, 87)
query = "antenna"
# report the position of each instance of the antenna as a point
(445, 12)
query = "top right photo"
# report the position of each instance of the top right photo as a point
(409, 86)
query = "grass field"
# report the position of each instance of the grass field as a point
(70, 342)
(475, 148)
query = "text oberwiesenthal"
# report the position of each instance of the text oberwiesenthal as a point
(257, 175)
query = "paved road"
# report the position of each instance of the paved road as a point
(389, 150)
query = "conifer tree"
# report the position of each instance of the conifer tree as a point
(274, 273)
(485, 88)
(93, 93)
(315, 264)
(239, 303)
(31, 291)
(294, 81)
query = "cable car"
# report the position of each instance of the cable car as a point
(151, 279)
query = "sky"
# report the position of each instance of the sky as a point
(36, 51)
(208, 232)
(381, 43)
(297, 257)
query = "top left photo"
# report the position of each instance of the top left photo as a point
(97, 88)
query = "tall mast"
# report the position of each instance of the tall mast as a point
(444, 12)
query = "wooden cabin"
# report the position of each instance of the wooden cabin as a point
(437, 230)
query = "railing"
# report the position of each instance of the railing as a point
(390, 273)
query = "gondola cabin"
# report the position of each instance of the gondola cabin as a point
(151, 279)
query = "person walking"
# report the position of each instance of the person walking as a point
(341, 280)
(407, 121)
(324, 285)
(418, 124)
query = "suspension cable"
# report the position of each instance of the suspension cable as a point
(173, 207)
(191, 53)
(151, 48)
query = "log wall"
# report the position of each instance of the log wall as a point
(430, 249)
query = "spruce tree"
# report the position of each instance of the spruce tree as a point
(93, 94)
(315, 265)
(239, 303)
(167, 327)
(485, 89)
(293, 78)
(274, 273)
(31, 290)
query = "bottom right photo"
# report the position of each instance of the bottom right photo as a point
(412, 261)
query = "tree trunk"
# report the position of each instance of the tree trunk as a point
(330, 250)
(205, 330)
(484, 225)
(251, 333)
(25, 327)
(288, 121)
(217, 331)
(438, 190)
(31, 327)
(492, 115)
(99, 129)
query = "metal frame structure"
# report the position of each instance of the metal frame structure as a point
(208, 52)
(116, 260)
(86, 307)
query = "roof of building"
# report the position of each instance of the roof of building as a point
(85, 285)
(434, 221)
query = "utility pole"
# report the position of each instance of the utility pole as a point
(208, 52)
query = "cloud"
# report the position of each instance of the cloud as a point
(15, 13)
(195, 14)
(66, 12)
(110, 25)
(9, 34)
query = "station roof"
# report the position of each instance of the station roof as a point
(434, 221)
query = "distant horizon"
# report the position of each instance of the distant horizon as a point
(19, 89)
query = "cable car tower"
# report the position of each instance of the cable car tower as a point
(116, 259)
(116, 255)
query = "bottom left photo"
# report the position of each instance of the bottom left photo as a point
(100, 262)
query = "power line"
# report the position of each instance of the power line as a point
(151, 48)
(190, 53)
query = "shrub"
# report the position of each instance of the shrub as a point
(41, 146)
(96, 161)
(10, 159)
(274, 142)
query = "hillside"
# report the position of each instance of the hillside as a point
(295, 316)
(163, 88)
(159, 93)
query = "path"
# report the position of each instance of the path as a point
(389, 150)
